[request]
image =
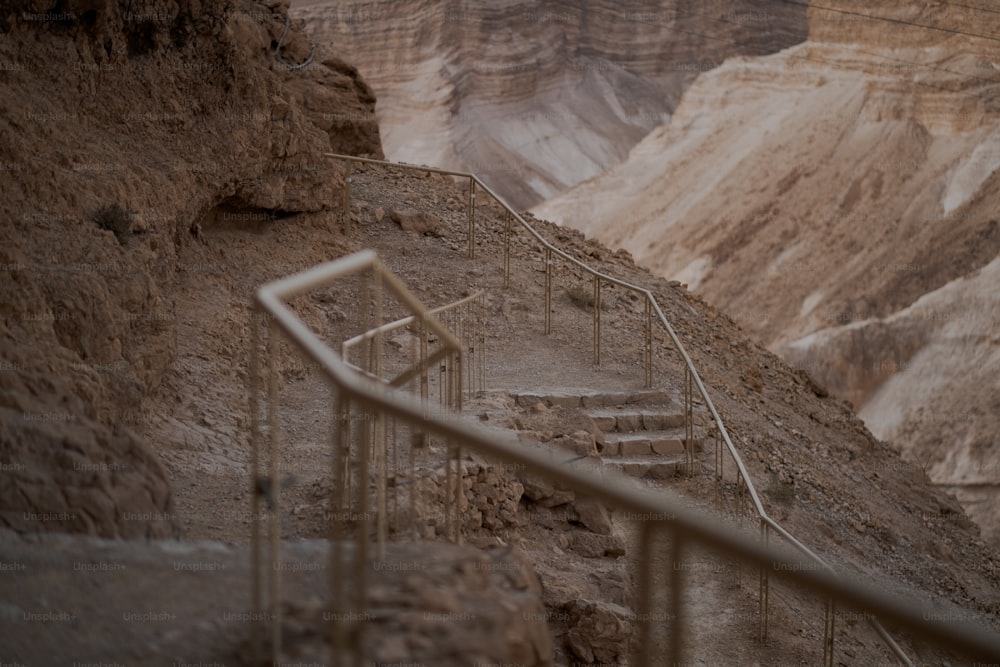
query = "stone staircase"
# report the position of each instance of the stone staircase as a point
(641, 430)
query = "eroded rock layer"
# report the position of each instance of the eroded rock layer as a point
(537, 96)
(828, 197)
(121, 129)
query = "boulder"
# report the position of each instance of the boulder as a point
(599, 631)
(544, 493)
(412, 220)
(592, 545)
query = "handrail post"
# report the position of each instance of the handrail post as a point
(459, 492)
(341, 412)
(688, 421)
(345, 196)
(381, 483)
(468, 339)
(645, 593)
(506, 250)
(481, 340)
(361, 564)
(829, 629)
(459, 364)
(648, 345)
(255, 593)
(448, 496)
(597, 321)
(719, 468)
(764, 584)
(274, 523)
(377, 314)
(741, 496)
(472, 217)
(425, 385)
(677, 630)
(548, 290)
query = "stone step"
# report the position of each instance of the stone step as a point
(626, 420)
(647, 443)
(658, 469)
(585, 398)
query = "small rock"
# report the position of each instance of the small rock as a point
(663, 470)
(593, 515)
(586, 445)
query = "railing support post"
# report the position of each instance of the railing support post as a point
(688, 421)
(506, 250)
(376, 346)
(548, 291)
(346, 194)
(425, 384)
(472, 217)
(339, 460)
(256, 318)
(481, 340)
(764, 584)
(380, 446)
(740, 496)
(459, 493)
(829, 627)
(274, 504)
(677, 630)
(597, 321)
(361, 564)
(456, 402)
(647, 351)
(645, 593)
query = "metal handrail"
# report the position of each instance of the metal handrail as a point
(661, 511)
(267, 300)
(388, 327)
(476, 366)
(767, 522)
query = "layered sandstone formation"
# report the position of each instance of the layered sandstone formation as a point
(839, 200)
(537, 96)
(121, 131)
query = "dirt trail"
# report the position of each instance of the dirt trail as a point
(206, 448)
(197, 423)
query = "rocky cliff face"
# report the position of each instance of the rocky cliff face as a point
(122, 129)
(537, 96)
(839, 200)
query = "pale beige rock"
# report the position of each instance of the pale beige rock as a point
(635, 448)
(533, 106)
(852, 196)
(592, 545)
(412, 220)
(599, 631)
(594, 515)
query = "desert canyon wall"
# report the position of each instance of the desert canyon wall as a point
(121, 132)
(537, 96)
(839, 200)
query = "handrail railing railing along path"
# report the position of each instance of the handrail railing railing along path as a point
(367, 388)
